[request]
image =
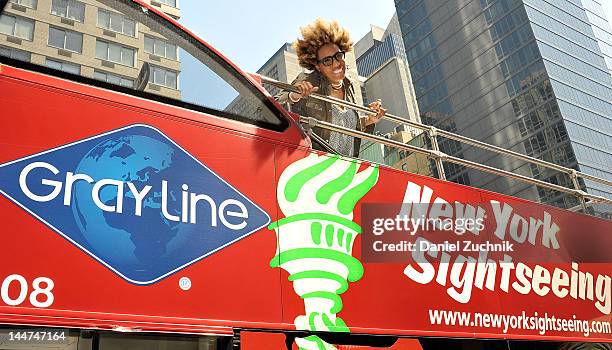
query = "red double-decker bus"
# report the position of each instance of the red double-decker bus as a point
(154, 195)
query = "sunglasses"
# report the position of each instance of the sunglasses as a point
(329, 60)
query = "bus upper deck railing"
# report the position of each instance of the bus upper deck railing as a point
(439, 156)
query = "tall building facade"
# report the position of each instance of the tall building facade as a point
(282, 65)
(601, 28)
(532, 76)
(88, 38)
(383, 71)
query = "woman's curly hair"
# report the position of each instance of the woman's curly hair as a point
(316, 35)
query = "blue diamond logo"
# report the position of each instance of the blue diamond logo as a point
(134, 200)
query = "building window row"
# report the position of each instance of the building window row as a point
(164, 77)
(563, 91)
(558, 11)
(590, 155)
(65, 39)
(115, 22)
(27, 3)
(160, 48)
(75, 10)
(73, 41)
(169, 2)
(115, 53)
(588, 136)
(585, 117)
(17, 26)
(63, 66)
(67, 67)
(536, 96)
(70, 9)
(15, 53)
(114, 79)
(569, 46)
(561, 28)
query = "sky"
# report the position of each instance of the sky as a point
(249, 32)
(607, 6)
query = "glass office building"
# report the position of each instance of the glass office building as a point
(391, 46)
(533, 76)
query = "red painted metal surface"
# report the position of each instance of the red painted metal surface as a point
(236, 286)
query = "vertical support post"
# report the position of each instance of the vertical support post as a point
(433, 137)
(236, 339)
(574, 176)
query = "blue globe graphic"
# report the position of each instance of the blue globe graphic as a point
(125, 240)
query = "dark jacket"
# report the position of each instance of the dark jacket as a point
(310, 107)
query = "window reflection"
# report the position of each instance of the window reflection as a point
(17, 26)
(70, 9)
(113, 341)
(117, 43)
(27, 3)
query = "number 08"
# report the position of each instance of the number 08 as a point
(42, 286)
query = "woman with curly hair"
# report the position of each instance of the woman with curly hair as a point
(322, 49)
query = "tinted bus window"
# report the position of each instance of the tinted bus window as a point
(119, 45)
(550, 345)
(114, 341)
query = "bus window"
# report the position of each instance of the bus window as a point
(120, 341)
(550, 345)
(400, 344)
(462, 344)
(119, 45)
(262, 340)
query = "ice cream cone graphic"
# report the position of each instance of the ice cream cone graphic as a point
(317, 196)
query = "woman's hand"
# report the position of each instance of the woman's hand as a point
(305, 89)
(376, 106)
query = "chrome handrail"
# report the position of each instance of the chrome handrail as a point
(431, 153)
(439, 156)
